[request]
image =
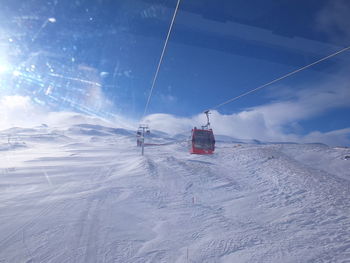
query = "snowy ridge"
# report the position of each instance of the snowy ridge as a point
(84, 194)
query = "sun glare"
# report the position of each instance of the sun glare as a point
(15, 101)
(3, 68)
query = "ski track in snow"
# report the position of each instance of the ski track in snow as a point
(85, 194)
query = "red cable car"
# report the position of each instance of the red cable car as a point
(202, 140)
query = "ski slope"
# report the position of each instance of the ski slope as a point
(85, 194)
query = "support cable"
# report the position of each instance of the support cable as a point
(281, 78)
(161, 59)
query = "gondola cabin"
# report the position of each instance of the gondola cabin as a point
(202, 141)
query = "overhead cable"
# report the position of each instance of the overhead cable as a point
(281, 78)
(161, 59)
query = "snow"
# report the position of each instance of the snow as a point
(85, 194)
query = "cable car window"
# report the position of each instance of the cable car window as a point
(203, 140)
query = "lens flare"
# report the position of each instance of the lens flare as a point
(3, 68)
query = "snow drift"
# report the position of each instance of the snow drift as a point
(84, 194)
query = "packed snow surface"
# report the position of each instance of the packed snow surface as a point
(85, 194)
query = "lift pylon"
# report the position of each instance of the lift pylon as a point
(140, 135)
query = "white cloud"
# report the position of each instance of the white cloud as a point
(276, 121)
(338, 137)
(19, 111)
(309, 103)
(245, 125)
(169, 123)
(15, 110)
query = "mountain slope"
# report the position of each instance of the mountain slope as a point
(84, 194)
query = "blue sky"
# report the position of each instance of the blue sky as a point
(99, 58)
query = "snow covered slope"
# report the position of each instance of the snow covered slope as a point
(84, 194)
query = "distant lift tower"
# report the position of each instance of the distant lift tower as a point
(140, 136)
